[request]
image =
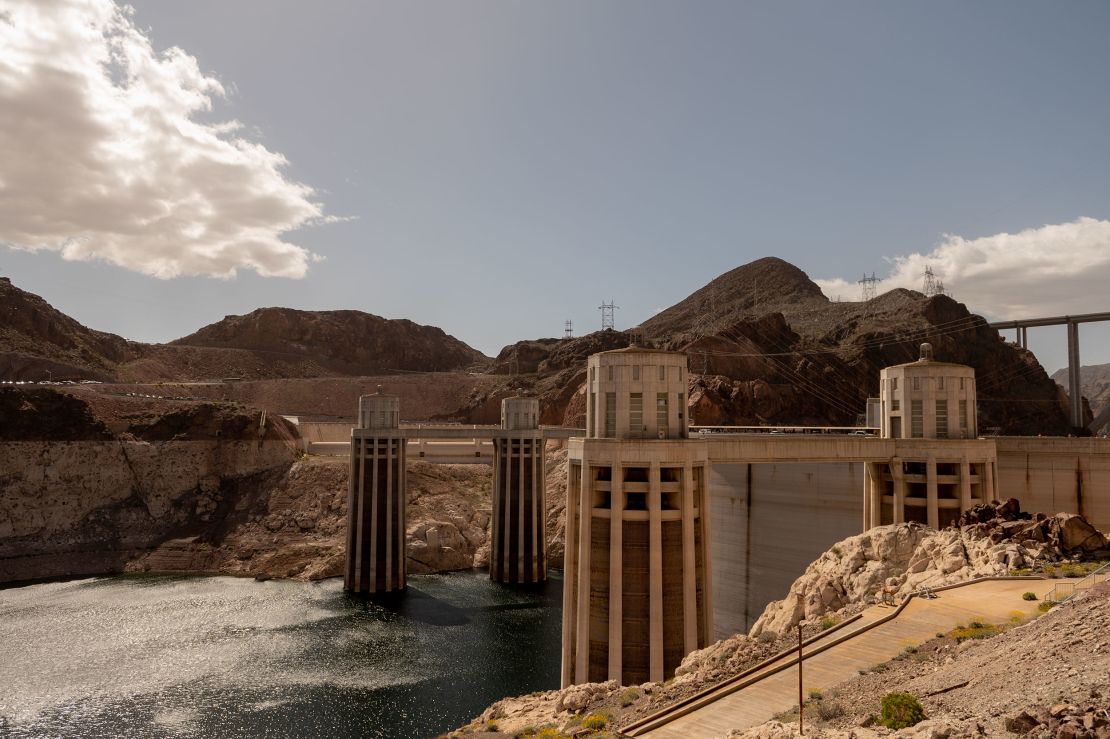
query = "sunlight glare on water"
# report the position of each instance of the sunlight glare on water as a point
(221, 656)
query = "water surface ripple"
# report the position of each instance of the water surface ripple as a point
(174, 656)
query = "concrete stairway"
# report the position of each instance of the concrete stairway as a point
(879, 634)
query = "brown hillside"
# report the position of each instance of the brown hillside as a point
(38, 342)
(345, 342)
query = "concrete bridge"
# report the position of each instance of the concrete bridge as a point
(1021, 328)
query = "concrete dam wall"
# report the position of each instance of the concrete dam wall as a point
(767, 523)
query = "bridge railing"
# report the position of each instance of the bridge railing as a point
(1065, 590)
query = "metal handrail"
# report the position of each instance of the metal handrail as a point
(1069, 589)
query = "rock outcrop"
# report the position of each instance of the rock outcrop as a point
(903, 558)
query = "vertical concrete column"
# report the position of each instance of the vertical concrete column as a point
(655, 564)
(702, 491)
(1075, 386)
(689, 564)
(991, 493)
(570, 568)
(898, 510)
(965, 484)
(585, 520)
(616, 571)
(932, 511)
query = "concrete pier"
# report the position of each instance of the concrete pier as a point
(376, 499)
(518, 545)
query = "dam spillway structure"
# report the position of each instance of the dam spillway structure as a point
(636, 597)
(941, 468)
(376, 499)
(518, 552)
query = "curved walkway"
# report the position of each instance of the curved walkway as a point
(881, 633)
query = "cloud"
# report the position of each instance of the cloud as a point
(1051, 270)
(102, 155)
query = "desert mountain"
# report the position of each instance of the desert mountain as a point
(346, 342)
(38, 342)
(1095, 381)
(767, 347)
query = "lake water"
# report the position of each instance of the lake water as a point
(154, 656)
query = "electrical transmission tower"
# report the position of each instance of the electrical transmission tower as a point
(607, 316)
(568, 330)
(933, 286)
(868, 287)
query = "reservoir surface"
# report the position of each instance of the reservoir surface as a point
(169, 656)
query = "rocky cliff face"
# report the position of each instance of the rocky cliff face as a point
(97, 484)
(1095, 381)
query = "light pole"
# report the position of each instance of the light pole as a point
(801, 701)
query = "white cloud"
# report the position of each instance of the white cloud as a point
(1051, 270)
(102, 157)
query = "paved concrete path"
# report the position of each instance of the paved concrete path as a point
(770, 693)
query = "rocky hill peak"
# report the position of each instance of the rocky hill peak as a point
(345, 341)
(751, 290)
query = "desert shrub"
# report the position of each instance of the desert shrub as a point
(549, 732)
(828, 622)
(910, 650)
(900, 710)
(836, 550)
(815, 695)
(974, 630)
(491, 726)
(629, 696)
(1028, 596)
(766, 637)
(525, 733)
(1073, 570)
(595, 721)
(1045, 606)
(828, 710)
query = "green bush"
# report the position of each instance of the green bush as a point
(595, 721)
(491, 726)
(1028, 596)
(828, 622)
(1045, 606)
(815, 695)
(900, 710)
(629, 696)
(766, 637)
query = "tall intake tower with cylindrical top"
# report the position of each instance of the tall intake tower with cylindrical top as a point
(376, 499)
(637, 594)
(517, 529)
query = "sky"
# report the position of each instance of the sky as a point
(496, 168)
